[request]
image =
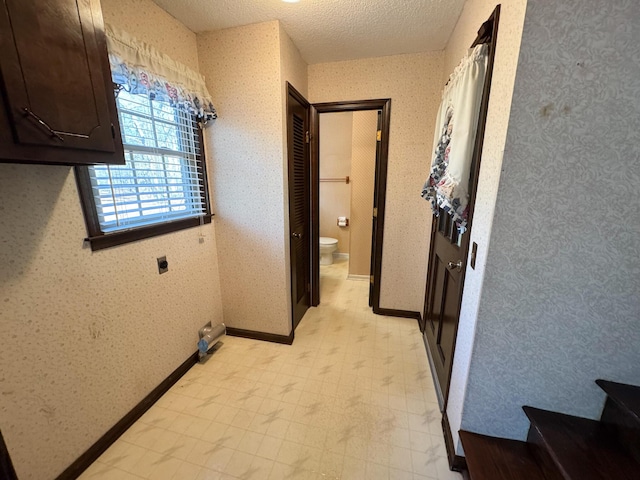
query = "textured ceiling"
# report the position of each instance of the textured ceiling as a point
(332, 30)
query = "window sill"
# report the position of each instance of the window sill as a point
(114, 239)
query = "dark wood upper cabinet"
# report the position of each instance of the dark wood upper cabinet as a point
(58, 101)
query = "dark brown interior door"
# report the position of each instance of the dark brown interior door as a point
(299, 202)
(449, 249)
(53, 73)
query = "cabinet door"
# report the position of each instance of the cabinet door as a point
(56, 79)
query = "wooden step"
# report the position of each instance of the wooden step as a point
(580, 449)
(622, 414)
(626, 396)
(491, 458)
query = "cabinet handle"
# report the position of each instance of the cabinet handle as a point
(53, 133)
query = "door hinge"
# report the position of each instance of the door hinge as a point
(379, 135)
(371, 279)
(113, 130)
(307, 137)
(375, 212)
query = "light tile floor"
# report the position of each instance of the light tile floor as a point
(351, 399)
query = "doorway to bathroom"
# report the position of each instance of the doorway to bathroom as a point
(349, 150)
(347, 161)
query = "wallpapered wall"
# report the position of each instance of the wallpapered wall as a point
(85, 336)
(560, 303)
(143, 18)
(363, 170)
(414, 83)
(335, 162)
(246, 69)
(474, 14)
(293, 69)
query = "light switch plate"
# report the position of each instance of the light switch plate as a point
(474, 253)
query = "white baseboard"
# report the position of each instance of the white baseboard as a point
(340, 255)
(358, 277)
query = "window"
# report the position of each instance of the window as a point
(161, 188)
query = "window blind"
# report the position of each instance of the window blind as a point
(162, 179)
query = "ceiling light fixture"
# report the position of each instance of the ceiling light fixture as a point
(290, 1)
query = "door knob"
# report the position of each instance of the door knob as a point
(457, 266)
(296, 235)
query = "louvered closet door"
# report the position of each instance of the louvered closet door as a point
(299, 203)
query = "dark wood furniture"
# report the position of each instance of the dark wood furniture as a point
(57, 104)
(564, 447)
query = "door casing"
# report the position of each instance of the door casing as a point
(380, 189)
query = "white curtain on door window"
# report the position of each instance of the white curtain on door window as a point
(456, 126)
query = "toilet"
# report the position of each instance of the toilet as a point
(328, 245)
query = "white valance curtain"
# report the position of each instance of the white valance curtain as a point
(143, 70)
(456, 126)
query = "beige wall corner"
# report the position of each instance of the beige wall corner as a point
(242, 67)
(293, 66)
(413, 82)
(87, 335)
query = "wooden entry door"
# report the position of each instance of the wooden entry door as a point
(447, 262)
(299, 202)
(449, 249)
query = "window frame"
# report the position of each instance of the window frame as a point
(100, 240)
